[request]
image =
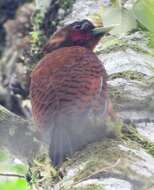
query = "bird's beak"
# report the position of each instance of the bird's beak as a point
(100, 31)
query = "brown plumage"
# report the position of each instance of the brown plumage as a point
(69, 91)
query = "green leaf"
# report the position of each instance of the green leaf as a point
(151, 39)
(121, 17)
(144, 13)
(19, 184)
(3, 156)
(18, 168)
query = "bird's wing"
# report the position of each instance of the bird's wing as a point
(79, 85)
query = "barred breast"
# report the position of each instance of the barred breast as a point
(67, 81)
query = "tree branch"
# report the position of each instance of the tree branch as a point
(11, 175)
(17, 136)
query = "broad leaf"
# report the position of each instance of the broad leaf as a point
(121, 17)
(144, 13)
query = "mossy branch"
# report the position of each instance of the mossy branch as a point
(17, 136)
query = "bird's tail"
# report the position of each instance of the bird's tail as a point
(71, 134)
(60, 144)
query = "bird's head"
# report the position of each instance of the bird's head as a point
(81, 33)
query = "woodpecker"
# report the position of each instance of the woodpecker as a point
(68, 90)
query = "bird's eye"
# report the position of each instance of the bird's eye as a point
(86, 25)
(76, 26)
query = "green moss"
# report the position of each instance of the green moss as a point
(92, 166)
(66, 4)
(37, 39)
(117, 96)
(114, 128)
(148, 146)
(4, 155)
(131, 75)
(130, 133)
(111, 44)
(150, 37)
(100, 155)
(89, 187)
(41, 173)
(108, 44)
(37, 36)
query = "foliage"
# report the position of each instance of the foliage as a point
(19, 184)
(139, 16)
(42, 22)
(66, 4)
(144, 13)
(130, 132)
(151, 39)
(37, 37)
(9, 167)
(41, 173)
(121, 18)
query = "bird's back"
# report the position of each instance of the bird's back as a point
(68, 88)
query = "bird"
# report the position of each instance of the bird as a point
(69, 92)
